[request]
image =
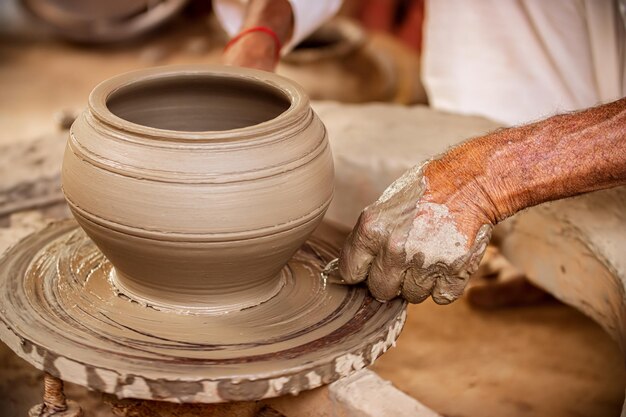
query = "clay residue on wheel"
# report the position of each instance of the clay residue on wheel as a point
(64, 316)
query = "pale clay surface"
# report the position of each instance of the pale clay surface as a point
(365, 394)
(35, 181)
(280, 347)
(582, 262)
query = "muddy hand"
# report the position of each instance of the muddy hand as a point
(416, 242)
(427, 233)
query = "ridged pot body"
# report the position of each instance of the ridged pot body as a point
(198, 194)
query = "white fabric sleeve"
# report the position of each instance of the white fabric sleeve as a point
(308, 15)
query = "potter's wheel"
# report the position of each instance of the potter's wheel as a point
(61, 313)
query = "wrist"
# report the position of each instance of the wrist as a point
(276, 15)
(499, 173)
(492, 190)
(462, 180)
(507, 174)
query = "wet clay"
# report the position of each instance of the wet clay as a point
(62, 314)
(198, 183)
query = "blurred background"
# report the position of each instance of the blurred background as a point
(65, 47)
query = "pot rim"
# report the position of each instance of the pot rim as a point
(351, 37)
(298, 102)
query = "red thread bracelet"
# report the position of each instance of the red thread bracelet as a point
(264, 29)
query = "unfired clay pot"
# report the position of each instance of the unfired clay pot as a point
(338, 53)
(198, 183)
(355, 66)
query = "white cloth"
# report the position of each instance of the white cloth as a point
(308, 15)
(512, 61)
(520, 60)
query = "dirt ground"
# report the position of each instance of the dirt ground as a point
(547, 360)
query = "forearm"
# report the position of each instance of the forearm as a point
(511, 169)
(259, 49)
(274, 14)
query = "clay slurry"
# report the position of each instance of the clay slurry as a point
(197, 103)
(67, 318)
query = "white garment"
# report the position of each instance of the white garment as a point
(520, 60)
(512, 61)
(308, 15)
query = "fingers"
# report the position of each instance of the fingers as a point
(448, 288)
(444, 282)
(437, 281)
(478, 249)
(354, 261)
(418, 282)
(359, 250)
(372, 253)
(388, 268)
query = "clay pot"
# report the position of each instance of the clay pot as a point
(338, 54)
(198, 183)
(356, 66)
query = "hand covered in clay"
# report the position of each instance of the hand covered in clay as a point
(427, 233)
(418, 239)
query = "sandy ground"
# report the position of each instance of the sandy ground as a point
(546, 360)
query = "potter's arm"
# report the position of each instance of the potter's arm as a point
(512, 169)
(259, 49)
(429, 230)
(291, 20)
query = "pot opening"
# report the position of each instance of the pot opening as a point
(335, 39)
(322, 39)
(197, 103)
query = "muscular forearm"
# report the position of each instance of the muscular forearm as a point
(511, 169)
